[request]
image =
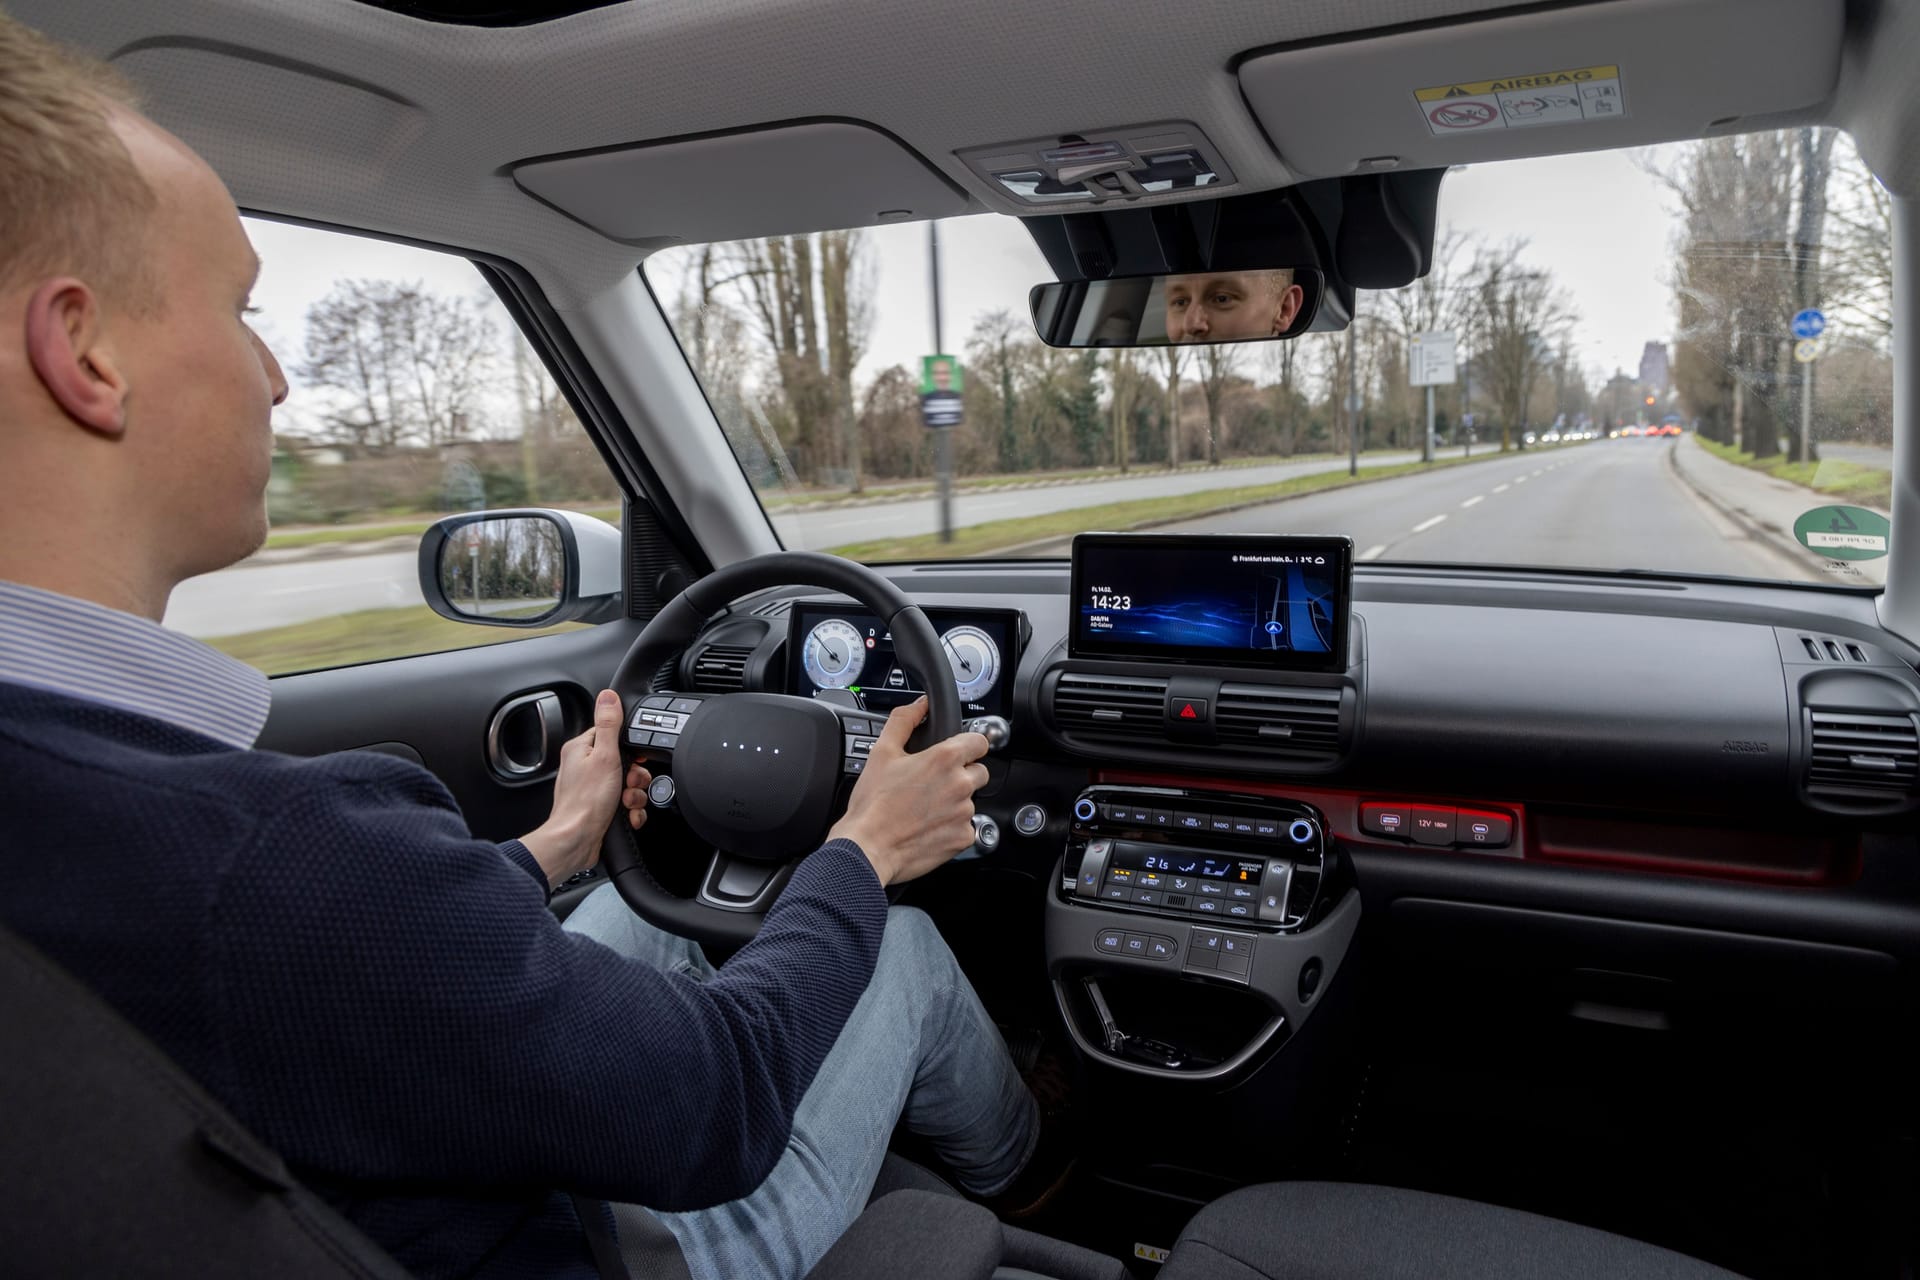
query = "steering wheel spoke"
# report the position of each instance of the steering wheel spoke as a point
(742, 884)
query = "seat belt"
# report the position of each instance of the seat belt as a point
(606, 1251)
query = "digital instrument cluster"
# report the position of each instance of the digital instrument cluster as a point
(850, 653)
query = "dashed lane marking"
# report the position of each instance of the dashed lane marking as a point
(1425, 525)
(1473, 501)
(1374, 552)
(1501, 488)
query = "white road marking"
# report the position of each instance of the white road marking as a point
(1539, 471)
(1374, 552)
(1501, 488)
(1475, 499)
(1519, 479)
(1425, 525)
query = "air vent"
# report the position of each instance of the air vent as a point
(721, 668)
(1855, 752)
(1301, 722)
(1110, 706)
(1832, 649)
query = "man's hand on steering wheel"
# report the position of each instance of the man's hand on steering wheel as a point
(586, 794)
(911, 812)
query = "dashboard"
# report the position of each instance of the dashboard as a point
(847, 655)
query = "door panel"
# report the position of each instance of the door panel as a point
(440, 706)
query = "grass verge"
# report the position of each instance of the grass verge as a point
(998, 535)
(411, 527)
(1848, 481)
(367, 636)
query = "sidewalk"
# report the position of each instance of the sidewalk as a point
(1767, 508)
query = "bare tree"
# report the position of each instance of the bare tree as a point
(406, 365)
(1174, 358)
(1520, 314)
(1217, 361)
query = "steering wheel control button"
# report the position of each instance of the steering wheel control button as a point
(1432, 824)
(1108, 940)
(1236, 955)
(660, 792)
(1084, 810)
(667, 741)
(684, 704)
(658, 702)
(1387, 819)
(1475, 827)
(854, 764)
(1030, 820)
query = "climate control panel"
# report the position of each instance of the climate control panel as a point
(1245, 861)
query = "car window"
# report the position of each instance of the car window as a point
(1672, 359)
(412, 396)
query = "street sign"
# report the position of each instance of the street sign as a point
(1430, 358)
(1843, 533)
(941, 380)
(1810, 323)
(941, 409)
(1807, 350)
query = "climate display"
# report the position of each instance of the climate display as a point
(1270, 602)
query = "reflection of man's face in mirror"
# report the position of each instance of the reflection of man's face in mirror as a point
(1224, 306)
(942, 375)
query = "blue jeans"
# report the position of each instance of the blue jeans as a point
(918, 1045)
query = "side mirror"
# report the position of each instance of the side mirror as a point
(521, 568)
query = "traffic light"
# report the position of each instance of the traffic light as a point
(1649, 399)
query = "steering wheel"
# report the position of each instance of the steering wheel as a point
(754, 774)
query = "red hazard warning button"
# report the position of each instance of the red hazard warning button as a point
(1190, 709)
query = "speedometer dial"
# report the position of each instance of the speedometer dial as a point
(975, 659)
(834, 654)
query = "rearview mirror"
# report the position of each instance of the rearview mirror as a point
(1155, 311)
(525, 568)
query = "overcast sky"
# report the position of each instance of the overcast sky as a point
(1598, 223)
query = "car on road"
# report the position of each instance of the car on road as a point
(1504, 866)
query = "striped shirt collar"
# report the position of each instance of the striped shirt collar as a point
(85, 650)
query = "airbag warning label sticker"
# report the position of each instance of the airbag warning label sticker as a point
(1521, 102)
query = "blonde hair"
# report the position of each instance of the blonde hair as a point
(71, 199)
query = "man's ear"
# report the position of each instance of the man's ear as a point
(66, 348)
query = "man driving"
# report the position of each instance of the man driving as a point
(1231, 306)
(383, 998)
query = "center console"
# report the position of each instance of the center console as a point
(1236, 893)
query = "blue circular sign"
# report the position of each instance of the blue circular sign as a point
(1810, 323)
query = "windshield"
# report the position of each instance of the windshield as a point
(1674, 359)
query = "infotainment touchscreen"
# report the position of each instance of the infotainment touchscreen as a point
(1228, 600)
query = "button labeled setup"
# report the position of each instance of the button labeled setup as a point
(1432, 824)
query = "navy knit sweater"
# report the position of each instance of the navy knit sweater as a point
(386, 1000)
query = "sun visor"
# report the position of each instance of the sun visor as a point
(818, 176)
(1566, 78)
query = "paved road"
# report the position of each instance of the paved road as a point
(256, 595)
(1607, 504)
(1611, 504)
(836, 528)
